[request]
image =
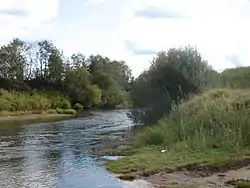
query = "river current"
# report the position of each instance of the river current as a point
(56, 155)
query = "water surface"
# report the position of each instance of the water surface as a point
(48, 155)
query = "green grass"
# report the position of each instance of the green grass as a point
(212, 128)
(146, 161)
(243, 184)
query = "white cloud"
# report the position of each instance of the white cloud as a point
(19, 18)
(216, 27)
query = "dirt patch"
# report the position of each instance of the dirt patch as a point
(190, 179)
(208, 170)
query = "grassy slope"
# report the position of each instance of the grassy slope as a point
(212, 129)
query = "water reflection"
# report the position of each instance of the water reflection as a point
(56, 154)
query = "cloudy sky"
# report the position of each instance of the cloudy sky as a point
(134, 30)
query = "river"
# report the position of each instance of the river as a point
(56, 155)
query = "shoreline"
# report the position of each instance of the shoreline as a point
(225, 173)
(203, 170)
(33, 118)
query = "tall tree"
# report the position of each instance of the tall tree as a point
(12, 60)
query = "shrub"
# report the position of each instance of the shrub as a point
(78, 106)
(24, 101)
(65, 104)
(65, 111)
(69, 111)
(51, 111)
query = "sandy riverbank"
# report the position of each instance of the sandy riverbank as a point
(190, 179)
(33, 118)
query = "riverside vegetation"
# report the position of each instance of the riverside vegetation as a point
(36, 77)
(199, 117)
(193, 113)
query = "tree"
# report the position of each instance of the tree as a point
(172, 76)
(78, 60)
(76, 82)
(95, 81)
(12, 60)
(93, 96)
(55, 67)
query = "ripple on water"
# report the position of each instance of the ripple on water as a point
(56, 154)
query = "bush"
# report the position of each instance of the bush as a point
(172, 76)
(24, 101)
(51, 111)
(65, 104)
(78, 106)
(215, 118)
(65, 111)
(69, 111)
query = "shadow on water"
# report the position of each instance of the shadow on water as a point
(56, 154)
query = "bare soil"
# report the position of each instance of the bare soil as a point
(191, 178)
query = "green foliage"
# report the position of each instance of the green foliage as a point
(65, 111)
(93, 95)
(24, 101)
(78, 106)
(51, 111)
(172, 76)
(40, 65)
(236, 78)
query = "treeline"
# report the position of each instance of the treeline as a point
(39, 66)
(175, 76)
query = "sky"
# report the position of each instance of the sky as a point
(134, 30)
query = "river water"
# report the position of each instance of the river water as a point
(48, 155)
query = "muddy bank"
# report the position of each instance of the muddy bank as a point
(190, 180)
(32, 118)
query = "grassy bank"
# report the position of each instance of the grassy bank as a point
(50, 111)
(212, 128)
(27, 103)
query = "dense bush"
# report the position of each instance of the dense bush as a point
(173, 76)
(24, 101)
(78, 106)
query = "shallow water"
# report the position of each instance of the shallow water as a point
(48, 155)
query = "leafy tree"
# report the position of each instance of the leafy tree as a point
(76, 82)
(93, 96)
(173, 76)
(78, 60)
(55, 67)
(12, 60)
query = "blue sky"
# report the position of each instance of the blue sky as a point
(134, 30)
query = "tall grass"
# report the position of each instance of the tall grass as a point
(214, 119)
(23, 101)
